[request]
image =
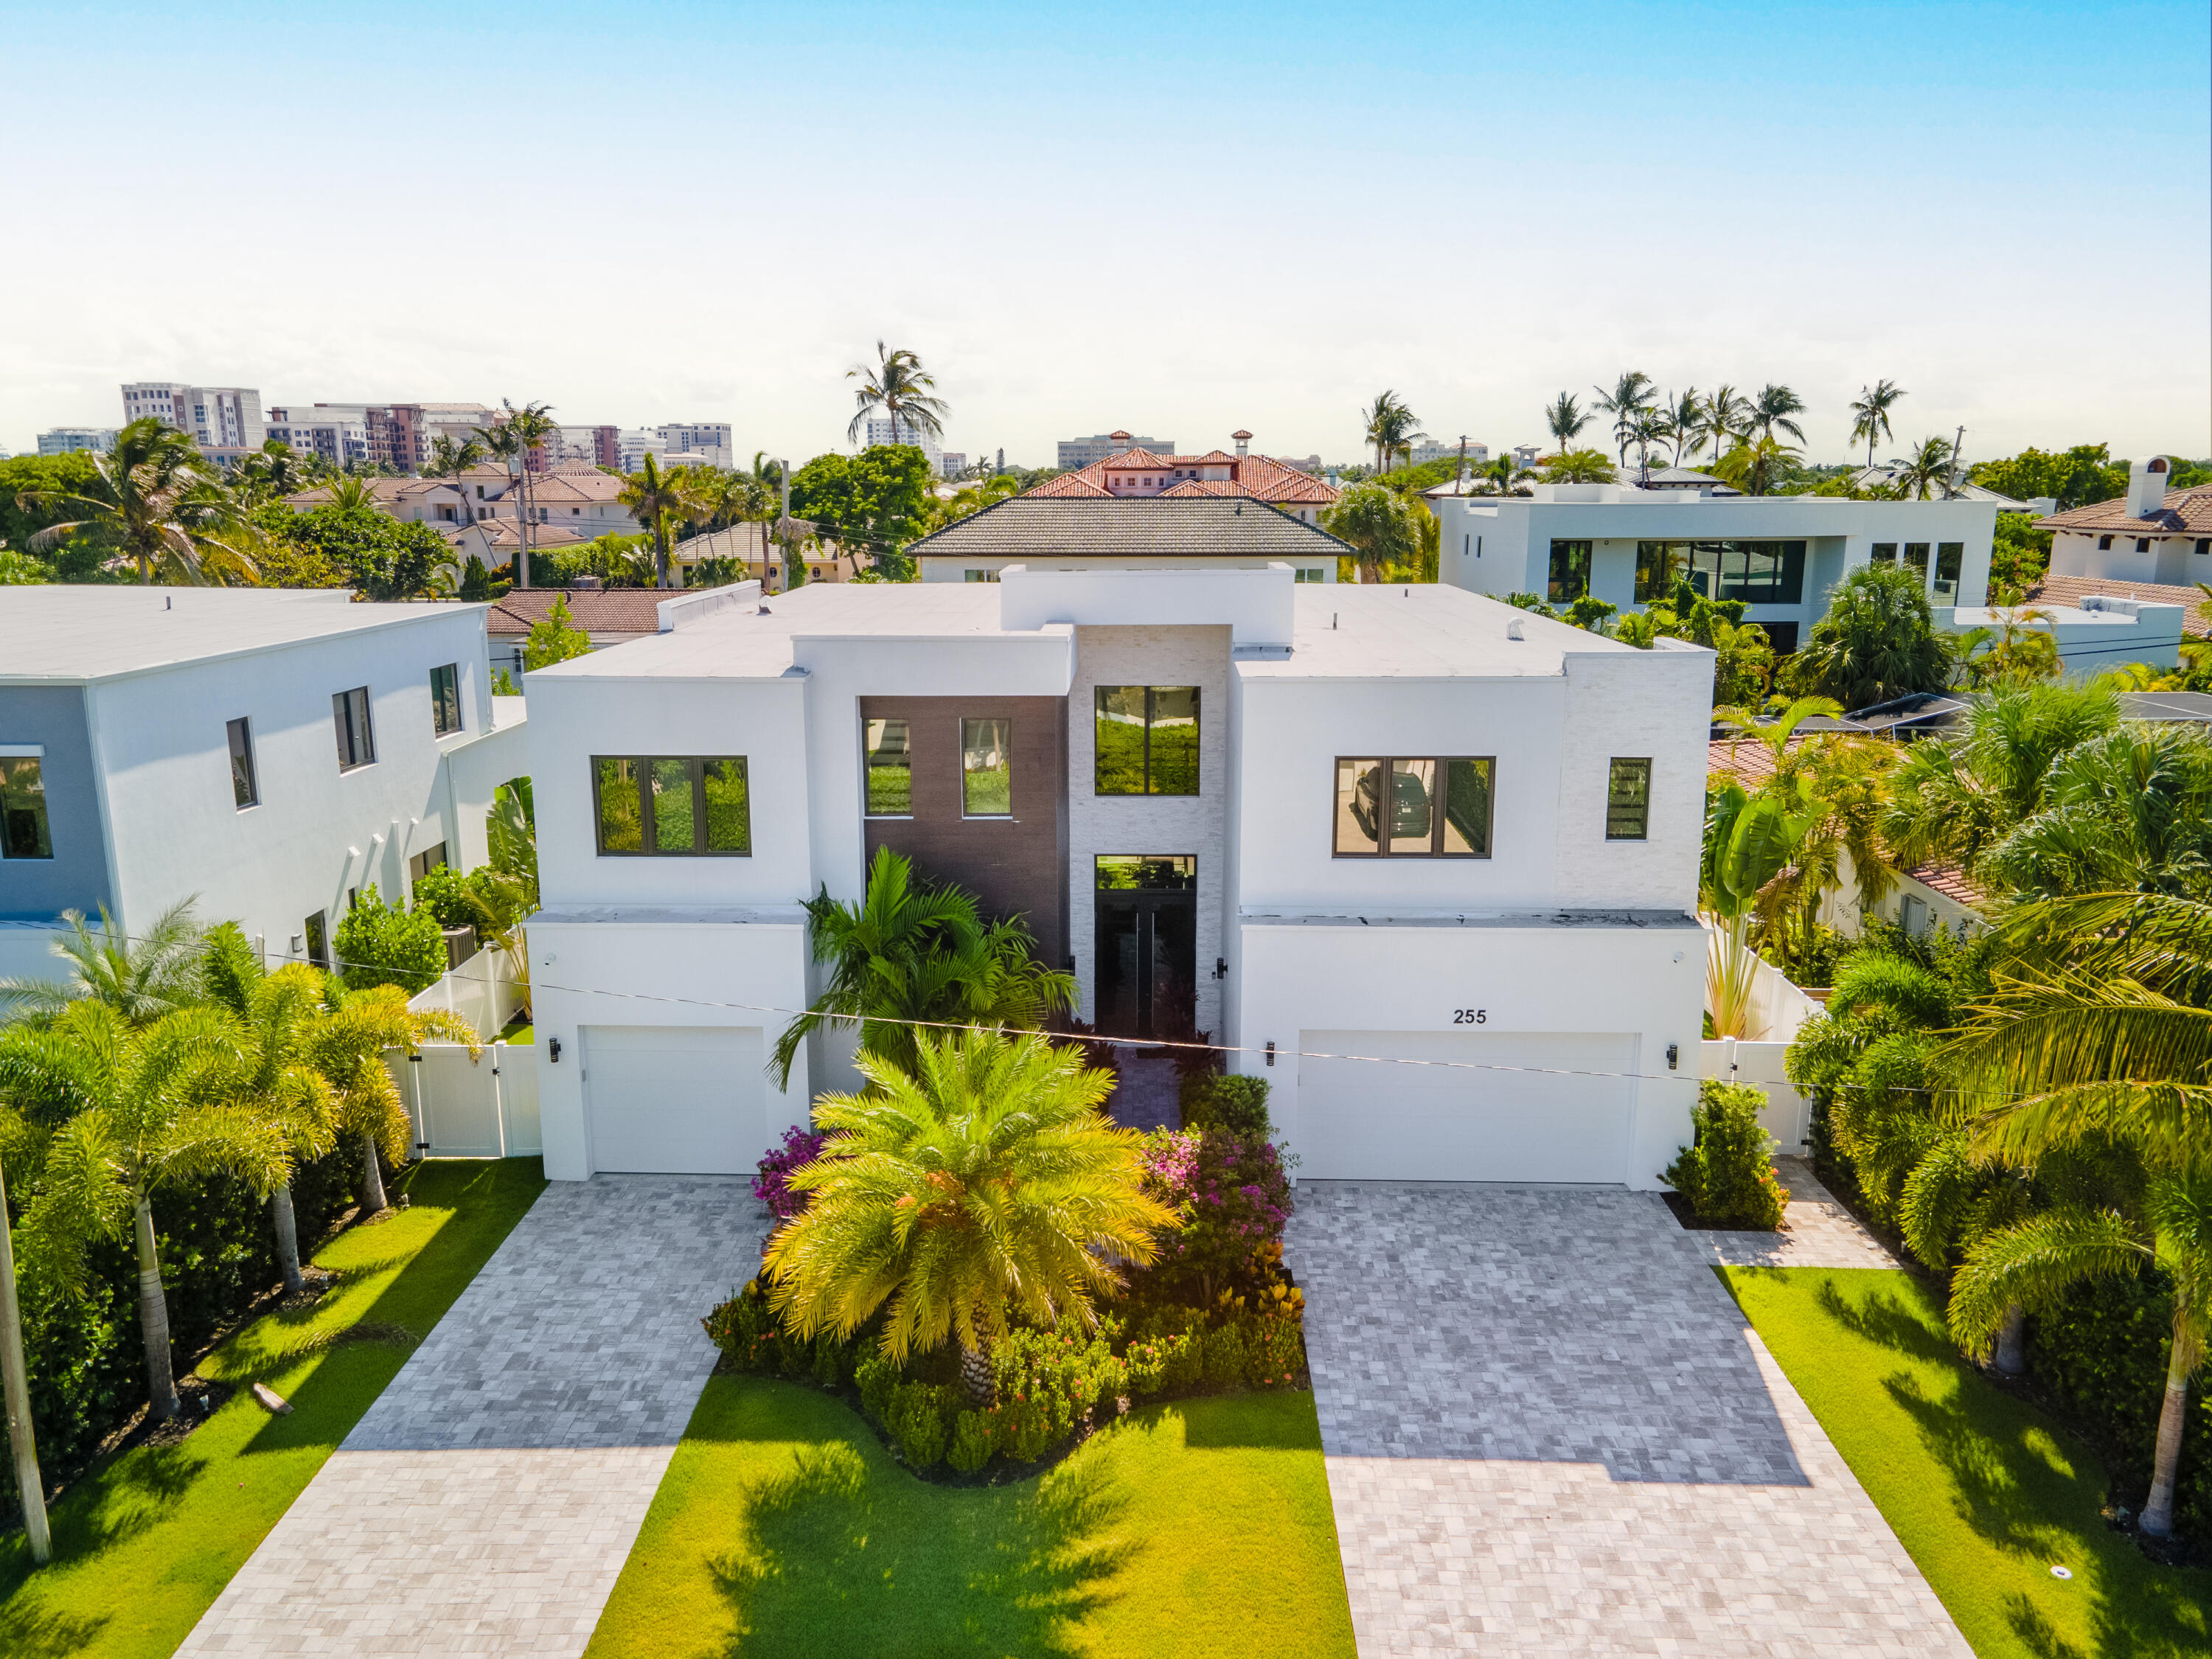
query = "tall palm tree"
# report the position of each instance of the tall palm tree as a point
(981, 1184)
(269, 473)
(1725, 414)
(1685, 419)
(2103, 1033)
(1565, 418)
(1772, 409)
(1870, 413)
(145, 1108)
(451, 459)
(141, 975)
(902, 389)
(503, 444)
(1632, 394)
(655, 498)
(348, 1049)
(912, 951)
(1391, 428)
(1650, 427)
(1928, 467)
(162, 504)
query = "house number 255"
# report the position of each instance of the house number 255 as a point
(1470, 1015)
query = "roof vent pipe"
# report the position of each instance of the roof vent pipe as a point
(1513, 628)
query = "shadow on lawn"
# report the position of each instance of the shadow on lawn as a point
(32, 1630)
(830, 1550)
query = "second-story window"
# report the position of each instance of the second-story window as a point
(1628, 799)
(891, 770)
(244, 787)
(1414, 806)
(23, 830)
(1147, 738)
(986, 769)
(446, 699)
(356, 742)
(672, 806)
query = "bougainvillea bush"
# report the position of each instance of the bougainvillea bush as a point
(1233, 1197)
(772, 1185)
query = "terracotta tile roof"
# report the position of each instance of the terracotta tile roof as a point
(597, 611)
(1134, 460)
(502, 535)
(1070, 485)
(2185, 512)
(1190, 487)
(2072, 589)
(1211, 458)
(1950, 881)
(592, 486)
(1028, 527)
(1256, 478)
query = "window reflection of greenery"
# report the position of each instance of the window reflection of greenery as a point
(891, 770)
(1147, 740)
(1466, 807)
(621, 816)
(1136, 873)
(1628, 800)
(986, 775)
(672, 830)
(729, 806)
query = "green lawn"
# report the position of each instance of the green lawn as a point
(143, 1546)
(783, 1528)
(522, 1032)
(1983, 1492)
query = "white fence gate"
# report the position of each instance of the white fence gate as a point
(1789, 1114)
(461, 1108)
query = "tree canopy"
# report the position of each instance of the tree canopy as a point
(385, 557)
(877, 499)
(1877, 641)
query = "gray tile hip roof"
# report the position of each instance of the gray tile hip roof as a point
(1135, 527)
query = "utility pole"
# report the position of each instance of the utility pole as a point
(1951, 484)
(28, 1485)
(1459, 476)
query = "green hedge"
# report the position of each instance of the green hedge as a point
(2102, 1357)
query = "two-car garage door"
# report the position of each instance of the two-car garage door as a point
(1539, 1107)
(675, 1099)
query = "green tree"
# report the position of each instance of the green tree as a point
(1563, 418)
(2084, 473)
(476, 582)
(348, 1045)
(1391, 428)
(380, 944)
(1878, 640)
(657, 501)
(1870, 413)
(140, 975)
(1378, 524)
(899, 387)
(270, 473)
(451, 459)
(1744, 663)
(1771, 412)
(1929, 467)
(1747, 842)
(879, 500)
(1728, 416)
(165, 508)
(1684, 420)
(1754, 466)
(20, 570)
(36, 492)
(1576, 467)
(383, 557)
(1630, 396)
(979, 1184)
(554, 638)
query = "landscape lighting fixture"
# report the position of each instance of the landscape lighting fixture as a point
(553, 1050)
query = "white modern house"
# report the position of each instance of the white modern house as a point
(1428, 863)
(1781, 554)
(271, 752)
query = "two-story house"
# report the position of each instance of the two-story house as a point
(1426, 863)
(272, 752)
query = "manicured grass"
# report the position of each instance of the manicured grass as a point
(783, 1528)
(1985, 1494)
(522, 1032)
(143, 1546)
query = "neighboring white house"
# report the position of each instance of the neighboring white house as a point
(2097, 632)
(2151, 535)
(1782, 554)
(271, 751)
(1342, 829)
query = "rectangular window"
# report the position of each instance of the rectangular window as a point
(1885, 553)
(980, 575)
(356, 743)
(1147, 740)
(1155, 872)
(1757, 573)
(1657, 564)
(429, 858)
(1308, 574)
(1571, 568)
(672, 806)
(446, 699)
(1417, 822)
(986, 773)
(891, 770)
(318, 942)
(245, 788)
(24, 833)
(1916, 556)
(1950, 556)
(1628, 800)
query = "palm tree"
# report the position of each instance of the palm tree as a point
(1576, 467)
(981, 1184)
(1751, 466)
(1391, 428)
(1725, 414)
(1685, 419)
(274, 470)
(353, 492)
(1747, 842)
(1650, 427)
(910, 951)
(902, 389)
(502, 443)
(348, 1049)
(162, 504)
(1630, 395)
(2102, 1034)
(1870, 413)
(1771, 411)
(141, 975)
(452, 458)
(1379, 524)
(1927, 468)
(147, 1108)
(1565, 418)
(654, 497)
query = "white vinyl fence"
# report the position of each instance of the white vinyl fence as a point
(1789, 1114)
(463, 1108)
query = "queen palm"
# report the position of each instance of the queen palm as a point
(143, 1110)
(902, 389)
(980, 1185)
(1632, 394)
(1870, 413)
(348, 1047)
(1391, 428)
(654, 499)
(1564, 418)
(141, 975)
(163, 505)
(2102, 1034)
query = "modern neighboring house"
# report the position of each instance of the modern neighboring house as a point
(1133, 471)
(271, 752)
(67, 439)
(1782, 554)
(1888, 474)
(2150, 535)
(1342, 830)
(1044, 529)
(2095, 632)
(2075, 592)
(224, 420)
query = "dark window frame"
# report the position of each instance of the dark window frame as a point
(1151, 719)
(1577, 563)
(868, 767)
(1614, 806)
(648, 845)
(446, 699)
(967, 772)
(1389, 765)
(245, 776)
(36, 816)
(356, 747)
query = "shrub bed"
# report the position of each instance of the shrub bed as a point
(1726, 1176)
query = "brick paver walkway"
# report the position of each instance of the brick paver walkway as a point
(485, 1503)
(1548, 1431)
(1816, 1231)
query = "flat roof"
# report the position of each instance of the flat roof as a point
(78, 632)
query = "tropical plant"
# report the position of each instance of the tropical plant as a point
(913, 952)
(1877, 641)
(555, 637)
(1564, 419)
(656, 499)
(348, 1045)
(513, 437)
(144, 1108)
(2014, 653)
(1772, 410)
(1576, 466)
(902, 389)
(1726, 1175)
(1380, 526)
(141, 975)
(1231, 1196)
(451, 459)
(2128, 810)
(380, 944)
(1684, 418)
(1744, 660)
(271, 472)
(1747, 842)
(1929, 467)
(1754, 466)
(154, 497)
(1870, 413)
(1630, 396)
(1391, 428)
(1727, 414)
(979, 1184)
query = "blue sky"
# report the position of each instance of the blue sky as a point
(1180, 222)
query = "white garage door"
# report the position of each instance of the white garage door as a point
(1357, 1120)
(675, 1099)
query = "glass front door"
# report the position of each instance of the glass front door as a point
(1147, 952)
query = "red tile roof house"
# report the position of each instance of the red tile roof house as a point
(1140, 472)
(610, 616)
(2152, 544)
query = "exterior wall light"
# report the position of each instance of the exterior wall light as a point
(553, 1050)
(1673, 1056)
(1271, 1054)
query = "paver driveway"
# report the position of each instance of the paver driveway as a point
(484, 1504)
(1549, 1431)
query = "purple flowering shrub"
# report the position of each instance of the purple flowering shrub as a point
(772, 1185)
(1233, 1197)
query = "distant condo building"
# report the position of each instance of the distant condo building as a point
(1077, 453)
(952, 463)
(339, 437)
(903, 431)
(1439, 449)
(64, 439)
(224, 420)
(676, 444)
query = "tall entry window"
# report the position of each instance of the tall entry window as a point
(1438, 806)
(890, 755)
(1145, 905)
(672, 806)
(1147, 740)
(986, 769)
(446, 699)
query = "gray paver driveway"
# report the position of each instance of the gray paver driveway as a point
(485, 1503)
(1549, 1431)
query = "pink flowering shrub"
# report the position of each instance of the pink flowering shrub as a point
(772, 1185)
(1233, 1197)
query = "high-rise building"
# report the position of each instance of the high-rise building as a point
(883, 430)
(951, 463)
(224, 420)
(1076, 452)
(63, 439)
(338, 433)
(1447, 449)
